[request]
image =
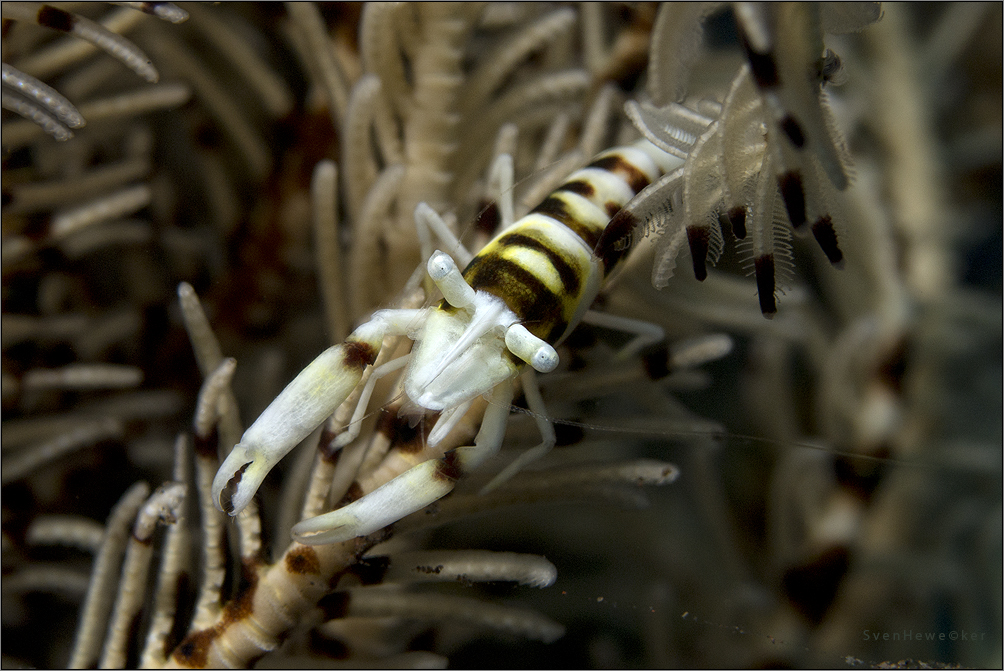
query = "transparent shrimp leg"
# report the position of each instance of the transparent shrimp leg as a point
(646, 333)
(501, 176)
(427, 222)
(536, 403)
(352, 430)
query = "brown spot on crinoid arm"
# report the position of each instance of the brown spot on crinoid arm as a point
(243, 605)
(206, 446)
(193, 651)
(335, 605)
(698, 239)
(826, 236)
(737, 218)
(323, 647)
(793, 130)
(762, 66)
(182, 589)
(794, 197)
(764, 267)
(656, 362)
(302, 560)
(354, 493)
(894, 365)
(812, 586)
(861, 477)
(228, 491)
(371, 570)
(326, 446)
(55, 18)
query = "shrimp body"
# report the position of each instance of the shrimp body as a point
(517, 299)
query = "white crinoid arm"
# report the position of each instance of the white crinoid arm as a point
(804, 117)
(673, 128)
(677, 37)
(743, 141)
(768, 245)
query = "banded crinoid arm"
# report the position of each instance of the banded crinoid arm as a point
(789, 65)
(55, 18)
(43, 107)
(775, 119)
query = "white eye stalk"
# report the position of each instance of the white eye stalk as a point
(444, 272)
(531, 349)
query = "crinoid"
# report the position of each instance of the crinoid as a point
(200, 239)
(769, 141)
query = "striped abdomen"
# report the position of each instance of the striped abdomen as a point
(549, 265)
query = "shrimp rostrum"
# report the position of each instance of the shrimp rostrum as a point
(517, 299)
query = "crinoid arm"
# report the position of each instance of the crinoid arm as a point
(305, 402)
(809, 154)
(414, 489)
